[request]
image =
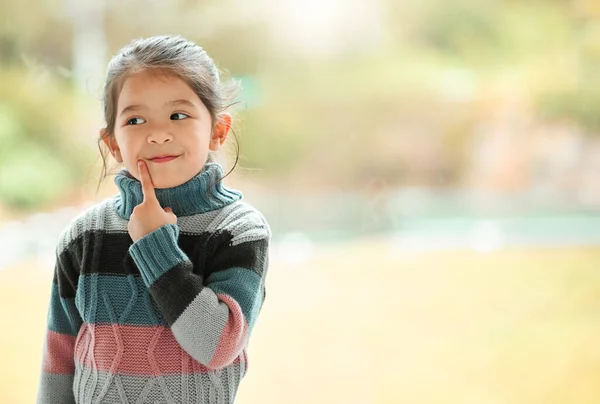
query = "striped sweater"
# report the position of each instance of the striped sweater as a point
(165, 319)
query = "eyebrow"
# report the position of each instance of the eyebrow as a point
(187, 103)
(137, 107)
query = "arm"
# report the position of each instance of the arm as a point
(210, 318)
(58, 366)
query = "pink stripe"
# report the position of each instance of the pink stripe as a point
(134, 350)
(58, 353)
(234, 336)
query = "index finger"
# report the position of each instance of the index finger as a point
(146, 180)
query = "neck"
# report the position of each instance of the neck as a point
(202, 193)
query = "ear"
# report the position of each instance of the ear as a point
(221, 131)
(112, 145)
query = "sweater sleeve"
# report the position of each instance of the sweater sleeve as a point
(63, 323)
(210, 318)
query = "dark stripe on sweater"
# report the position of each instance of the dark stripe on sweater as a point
(111, 250)
(87, 251)
(66, 273)
(175, 290)
(208, 255)
(249, 254)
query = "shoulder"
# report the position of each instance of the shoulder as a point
(98, 217)
(240, 213)
(241, 224)
(236, 218)
(240, 216)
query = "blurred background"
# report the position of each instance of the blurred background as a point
(430, 171)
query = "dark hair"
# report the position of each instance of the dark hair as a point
(173, 55)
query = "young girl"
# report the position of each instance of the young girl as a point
(156, 291)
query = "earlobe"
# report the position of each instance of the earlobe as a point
(112, 145)
(117, 156)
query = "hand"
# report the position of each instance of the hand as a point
(148, 215)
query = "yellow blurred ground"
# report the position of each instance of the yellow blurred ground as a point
(358, 324)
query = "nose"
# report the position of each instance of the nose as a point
(160, 136)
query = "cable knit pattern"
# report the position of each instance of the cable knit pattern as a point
(166, 319)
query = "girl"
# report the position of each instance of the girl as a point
(156, 291)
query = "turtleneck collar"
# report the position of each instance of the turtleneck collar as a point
(202, 193)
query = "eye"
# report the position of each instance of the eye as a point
(135, 121)
(178, 116)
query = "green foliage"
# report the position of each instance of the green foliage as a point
(579, 105)
(467, 29)
(572, 91)
(31, 175)
(439, 70)
(484, 32)
(40, 158)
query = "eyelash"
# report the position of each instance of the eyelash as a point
(180, 113)
(128, 123)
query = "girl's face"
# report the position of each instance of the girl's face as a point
(159, 119)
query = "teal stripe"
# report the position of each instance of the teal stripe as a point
(116, 299)
(62, 315)
(157, 252)
(243, 285)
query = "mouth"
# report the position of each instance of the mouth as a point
(162, 159)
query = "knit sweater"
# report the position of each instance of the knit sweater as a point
(165, 319)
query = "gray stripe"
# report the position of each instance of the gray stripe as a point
(55, 388)
(121, 390)
(217, 387)
(145, 391)
(185, 379)
(200, 390)
(98, 217)
(164, 388)
(232, 381)
(243, 221)
(81, 377)
(241, 212)
(212, 391)
(198, 382)
(250, 234)
(196, 224)
(199, 327)
(216, 379)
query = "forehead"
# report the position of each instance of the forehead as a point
(147, 86)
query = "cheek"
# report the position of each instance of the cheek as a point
(203, 127)
(128, 152)
(130, 145)
(197, 136)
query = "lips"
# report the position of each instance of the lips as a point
(162, 159)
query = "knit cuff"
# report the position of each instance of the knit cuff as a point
(157, 252)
